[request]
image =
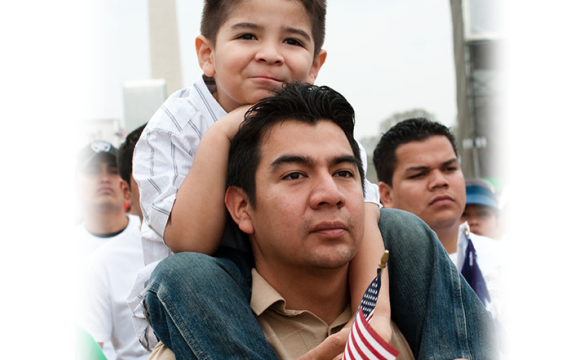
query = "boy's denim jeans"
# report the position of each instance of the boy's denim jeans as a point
(198, 305)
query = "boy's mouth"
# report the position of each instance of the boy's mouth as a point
(267, 78)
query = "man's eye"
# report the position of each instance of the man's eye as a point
(293, 176)
(247, 37)
(345, 173)
(294, 42)
(451, 168)
(417, 176)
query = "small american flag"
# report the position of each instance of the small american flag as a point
(363, 342)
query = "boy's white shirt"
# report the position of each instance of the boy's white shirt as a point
(162, 158)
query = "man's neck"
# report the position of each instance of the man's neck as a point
(105, 222)
(448, 237)
(325, 293)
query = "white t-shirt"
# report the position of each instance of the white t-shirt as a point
(107, 279)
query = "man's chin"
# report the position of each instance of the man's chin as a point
(336, 260)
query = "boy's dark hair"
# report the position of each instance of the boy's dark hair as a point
(417, 129)
(215, 13)
(125, 154)
(300, 102)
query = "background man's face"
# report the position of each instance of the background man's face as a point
(309, 200)
(100, 185)
(427, 182)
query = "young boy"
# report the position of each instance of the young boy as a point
(246, 50)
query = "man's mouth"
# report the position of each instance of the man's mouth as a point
(330, 229)
(441, 200)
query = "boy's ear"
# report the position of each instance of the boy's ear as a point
(238, 205)
(316, 65)
(205, 55)
(386, 194)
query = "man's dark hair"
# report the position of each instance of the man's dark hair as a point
(215, 13)
(125, 154)
(417, 129)
(306, 103)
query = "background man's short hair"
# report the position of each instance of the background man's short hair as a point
(299, 102)
(416, 129)
(125, 154)
(215, 13)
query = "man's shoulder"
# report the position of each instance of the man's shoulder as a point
(125, 243)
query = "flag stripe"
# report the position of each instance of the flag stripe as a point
(364, 343)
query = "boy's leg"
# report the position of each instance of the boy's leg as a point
(437, 311)
(198, 306)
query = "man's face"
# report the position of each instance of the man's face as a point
(308, 212)
(427, 182)
(99, 184)
(261, 45)
(482, 219)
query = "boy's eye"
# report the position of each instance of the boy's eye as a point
(247, 37)
(294, 42)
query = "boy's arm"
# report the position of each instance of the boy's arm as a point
(363, 269)
(198, 217)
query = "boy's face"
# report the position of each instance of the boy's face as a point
(427, 182)
(262, 44)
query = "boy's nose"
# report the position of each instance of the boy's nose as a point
(270, 55)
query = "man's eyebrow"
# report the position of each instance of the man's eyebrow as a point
(422, 168)
(349, 159)
(290, 159)
(306, 160)
(449, 162)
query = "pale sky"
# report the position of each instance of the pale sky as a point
(65, 60)
(383, 56)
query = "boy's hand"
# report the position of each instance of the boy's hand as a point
(231, 122)
(381, 323)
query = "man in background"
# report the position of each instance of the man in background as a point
(109, 252)
(419, 172)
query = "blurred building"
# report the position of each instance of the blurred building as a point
(482, 126)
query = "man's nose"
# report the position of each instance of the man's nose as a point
(438, 179)
(325, 192)
(105, 177)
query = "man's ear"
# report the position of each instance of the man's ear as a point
(319, 60)
(386, 194)
(125, 190)
(238, 205)
(205, 55)
(126, 195)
